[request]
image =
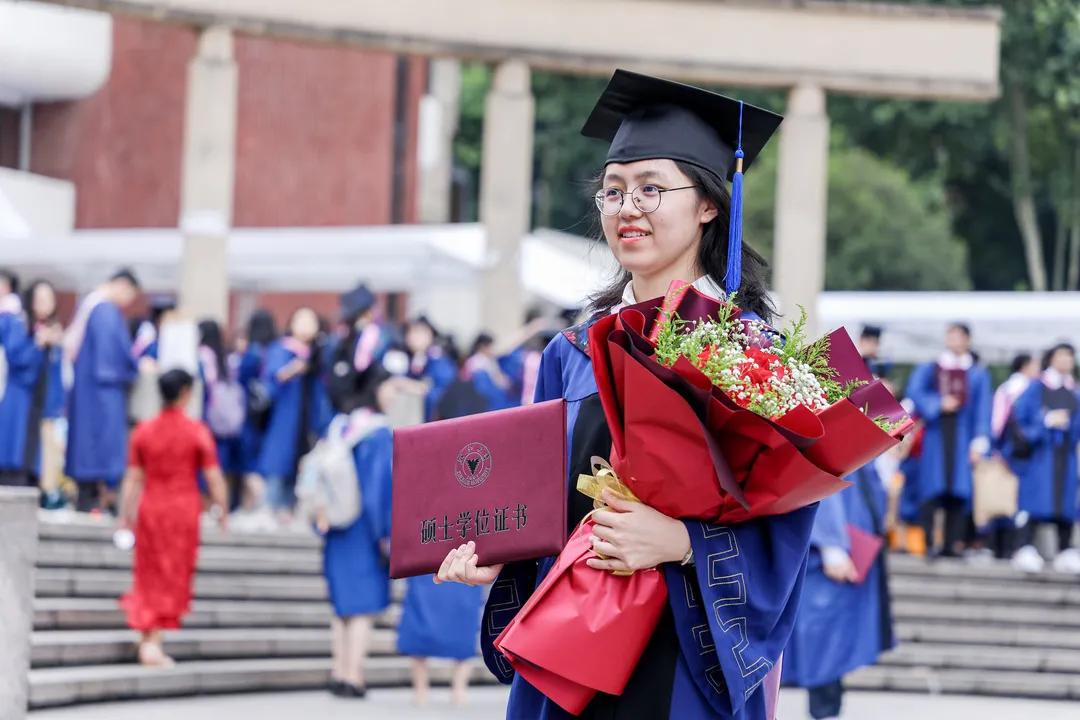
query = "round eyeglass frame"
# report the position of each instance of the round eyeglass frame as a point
(637, 200)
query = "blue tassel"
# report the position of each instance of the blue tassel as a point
(733, 274)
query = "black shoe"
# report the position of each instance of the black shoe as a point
(353, 691)
(337, 687)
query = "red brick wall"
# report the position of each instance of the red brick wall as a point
(122, 147)
(315, 137)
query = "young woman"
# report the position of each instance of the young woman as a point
(300, 409)
(35, 391)
(219, 372)
(355, 557)
(160, 501)
(664, 211)
(261, 334)
(428, 363)
(1047, 418)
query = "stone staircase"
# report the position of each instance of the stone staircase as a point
(980, 630)
(260, 622)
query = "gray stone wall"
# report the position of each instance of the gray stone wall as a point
(18, 549)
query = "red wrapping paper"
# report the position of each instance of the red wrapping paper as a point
(685, 448)
(623, 613)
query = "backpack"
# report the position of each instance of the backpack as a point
(328, 479)
(226, 408)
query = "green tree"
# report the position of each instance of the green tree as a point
(883, 231)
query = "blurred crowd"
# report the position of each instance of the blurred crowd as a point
(990, 472)
(68, 396)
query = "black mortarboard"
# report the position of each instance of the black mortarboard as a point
(356, 302)
(871, 331)
(645, 118)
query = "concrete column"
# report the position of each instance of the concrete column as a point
(505, 194)
(802, 183)
(439, 110)
(18, 553)
(209, 168)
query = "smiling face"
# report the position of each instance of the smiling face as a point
(662, 242)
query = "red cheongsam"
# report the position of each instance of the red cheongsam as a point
(170, 449)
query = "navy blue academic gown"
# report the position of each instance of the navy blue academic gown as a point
(33, 392)
(944, 468)
(281, 444)
(1048, 478)
(357, 574)
(841, 626)
(97, 403)
(729, 615)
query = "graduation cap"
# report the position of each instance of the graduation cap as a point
(356, 302)
(646, 118)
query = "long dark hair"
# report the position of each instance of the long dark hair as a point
(261, 329)
(753, 294)
(28, 301)
(210, 336)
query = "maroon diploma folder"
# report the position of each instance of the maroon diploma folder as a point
(498, 478)
(865, 547)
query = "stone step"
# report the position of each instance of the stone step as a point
(66, 686)
(947, 656)
(218, 559)
(56, 648)
(1058, 686)
(987, 592)
(82, 528)
(945, 633)
(1064, 618)
(103, 613)
(948, 570)
(66, 582)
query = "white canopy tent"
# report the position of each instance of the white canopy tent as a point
(439, 266)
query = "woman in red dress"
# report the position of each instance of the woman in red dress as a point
(160, 500)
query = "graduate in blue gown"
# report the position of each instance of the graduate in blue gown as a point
(482, 369)
(428, 362)
(261, 334)
(1043, 453)
(957, 435)
(437, 620)
(300, 408)
(99, 347)
(733, 590)
(34, 391)
(355, 558)
(842, 624)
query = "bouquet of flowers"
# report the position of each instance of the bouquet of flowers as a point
(714, 416)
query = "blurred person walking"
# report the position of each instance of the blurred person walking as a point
(1043, 452)
(952, 398)
(160, 501)
(844, 620)
(355, 554)
(97, 348)
(224, 403)
(253, 348)
(300, 408)
(34, 392)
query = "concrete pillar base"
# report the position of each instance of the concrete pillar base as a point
(18, 553)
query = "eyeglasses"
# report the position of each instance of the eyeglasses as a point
(609, 200)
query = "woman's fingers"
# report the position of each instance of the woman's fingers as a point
(607, 518)
(606, 549)
(604, 533)
(610, 565)
(444, 569)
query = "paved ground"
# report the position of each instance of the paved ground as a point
(488, 704)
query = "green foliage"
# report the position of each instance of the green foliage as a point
(884, 231)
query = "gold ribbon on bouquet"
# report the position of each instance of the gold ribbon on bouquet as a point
(603, 478)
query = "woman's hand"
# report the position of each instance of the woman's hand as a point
(837, 565)
(460, 566)
(633, 536)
